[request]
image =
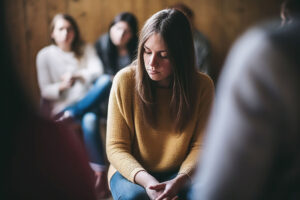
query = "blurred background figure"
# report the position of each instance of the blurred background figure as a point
(117, 48)
(290, 9)
(69, 79)
(252, 149)
(40, 159)
(201, 43)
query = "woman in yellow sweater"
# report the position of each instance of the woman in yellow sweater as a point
(157, 113)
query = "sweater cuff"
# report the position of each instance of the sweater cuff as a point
(188, 175)
(134, 172)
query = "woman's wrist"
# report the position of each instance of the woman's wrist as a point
(144, 179)
(182, 178)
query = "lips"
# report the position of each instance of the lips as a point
(152, 72)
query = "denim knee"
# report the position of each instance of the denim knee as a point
(103, 80)
(90, 123)
(129, 195)
(122, 189)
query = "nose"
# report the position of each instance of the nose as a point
(65, 32)
(122, 33)
(153, 61)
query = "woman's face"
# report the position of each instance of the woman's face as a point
(120, 34)
(156, 60)
(63, 33)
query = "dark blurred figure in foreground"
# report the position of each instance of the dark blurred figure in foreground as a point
(201, 43)
(40, 159)
(253, 138)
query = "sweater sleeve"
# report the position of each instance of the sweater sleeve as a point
(49, 89)
(205, 103)
(94, 66)
(120, 128)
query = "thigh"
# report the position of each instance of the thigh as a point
(122, 189)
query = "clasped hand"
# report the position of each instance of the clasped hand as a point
(68, 80)
(167, 190)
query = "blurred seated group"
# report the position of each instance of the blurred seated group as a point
(166, 136)
(75, 83)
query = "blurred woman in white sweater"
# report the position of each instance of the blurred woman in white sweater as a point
(69, 79)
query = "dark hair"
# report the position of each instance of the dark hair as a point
(173, 26)
(78, 42)
(290, 9)
(183, 8)
(112, 51)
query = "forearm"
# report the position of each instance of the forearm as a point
(50, 91)
(182, 179)
(189, 164)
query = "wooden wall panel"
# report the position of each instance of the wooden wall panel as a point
(79, 9)
(36, 37)
(96, 14)
(16, 32)
(54, 7)
(148, 8)
(27, 23)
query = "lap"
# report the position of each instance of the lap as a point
(123, 189)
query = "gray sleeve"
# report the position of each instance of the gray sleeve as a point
(241, 136)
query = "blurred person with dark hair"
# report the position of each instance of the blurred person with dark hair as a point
(252, 149)
(201, 43)
(117, 48)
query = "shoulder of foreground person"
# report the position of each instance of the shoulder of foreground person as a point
(56, 150)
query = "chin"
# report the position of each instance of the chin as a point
(155, 79)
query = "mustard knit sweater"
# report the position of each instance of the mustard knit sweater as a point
(132, 145)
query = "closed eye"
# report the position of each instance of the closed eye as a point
(147, 51)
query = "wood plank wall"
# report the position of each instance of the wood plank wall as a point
(27, 24)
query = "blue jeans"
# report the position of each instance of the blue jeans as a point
(123, 189)
(87, 112)
(92, 138)
(94, 97)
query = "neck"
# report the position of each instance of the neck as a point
(66, 48)
(122, 50)
(163, 84)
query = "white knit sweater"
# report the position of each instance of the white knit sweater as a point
(52, 63)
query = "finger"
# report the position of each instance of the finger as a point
(163, 196)
(157, 186)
